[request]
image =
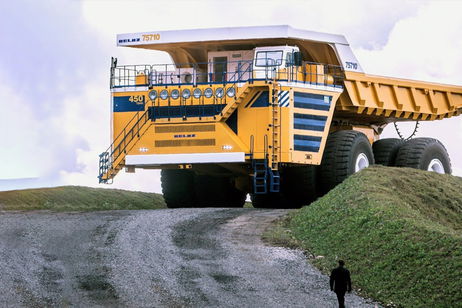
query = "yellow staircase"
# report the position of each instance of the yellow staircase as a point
(240, 97)
(113, 159)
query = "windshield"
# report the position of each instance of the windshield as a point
(268, 58)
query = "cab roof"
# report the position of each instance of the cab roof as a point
(192, 46)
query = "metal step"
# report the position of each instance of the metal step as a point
(275, 181)
(260, 176)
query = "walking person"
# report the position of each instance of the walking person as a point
(340, 282)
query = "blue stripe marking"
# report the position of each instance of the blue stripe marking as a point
(312, 101)
(284, 99)
(307, 143)
(309, 122)
(122, 104)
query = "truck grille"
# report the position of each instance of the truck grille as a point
(185, 128)
(184, 143)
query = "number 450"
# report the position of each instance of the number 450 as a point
(139, 99)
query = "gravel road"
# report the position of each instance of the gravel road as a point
(160, 258)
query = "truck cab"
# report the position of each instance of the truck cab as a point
(271, 59)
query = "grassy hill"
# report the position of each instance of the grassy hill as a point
(399, 231)
(78, 198)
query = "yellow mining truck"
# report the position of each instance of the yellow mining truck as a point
(279, 113)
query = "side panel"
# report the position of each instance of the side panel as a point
(311, 116)
(125, 106)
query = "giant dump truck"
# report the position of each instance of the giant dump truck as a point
(278, 113)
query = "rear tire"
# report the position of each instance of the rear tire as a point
(346, 152)
(177, 187)
(424, 154)
(386, 150)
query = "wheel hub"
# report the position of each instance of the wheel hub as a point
(436, 165)
(361, 162)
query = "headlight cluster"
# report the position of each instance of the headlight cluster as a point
(197, 93)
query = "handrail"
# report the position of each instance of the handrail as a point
(111, 150)
(195, 73)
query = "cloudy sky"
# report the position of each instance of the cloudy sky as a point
(55, 57)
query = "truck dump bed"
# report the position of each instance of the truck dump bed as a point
(386, 99)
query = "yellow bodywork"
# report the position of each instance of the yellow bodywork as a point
(262, 127)
(210, 134)
(392, 99)
(368, 98)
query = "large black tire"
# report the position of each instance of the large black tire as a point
(421, 153)
(213, 191)
(344, 150)
(267, 201)
(178, 187)
(386, 150)
(298, 188)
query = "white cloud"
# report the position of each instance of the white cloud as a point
(427, 47)
(21, 154)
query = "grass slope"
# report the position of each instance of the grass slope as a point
(78, 198)
(399, 230)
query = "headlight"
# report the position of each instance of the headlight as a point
(219, 92)
(197, 93)
(208, 92)
(175, 94)
(153, 95)
(186, 93)
(231, 92)
(163, 94)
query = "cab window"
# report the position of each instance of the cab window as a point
(268, 58)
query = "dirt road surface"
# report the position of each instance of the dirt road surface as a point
(159, 258)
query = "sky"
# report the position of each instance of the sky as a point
(55, 59)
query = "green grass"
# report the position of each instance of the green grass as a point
(78, 198)
(399, 231)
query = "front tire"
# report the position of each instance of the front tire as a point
(298, 186)
(346, 152)
(178, 187)
(211, 191)
(267, 201)
(424, 154)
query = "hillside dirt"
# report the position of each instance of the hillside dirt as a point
(161, 258)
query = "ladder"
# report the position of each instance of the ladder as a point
(275, 147)
(266, 177)
(260, 176)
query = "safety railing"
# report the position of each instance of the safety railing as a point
(109, 158)
(230, 72)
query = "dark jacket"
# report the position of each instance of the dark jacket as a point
(340, 280)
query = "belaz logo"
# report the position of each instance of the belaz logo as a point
(129, 40)
(185, 136)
